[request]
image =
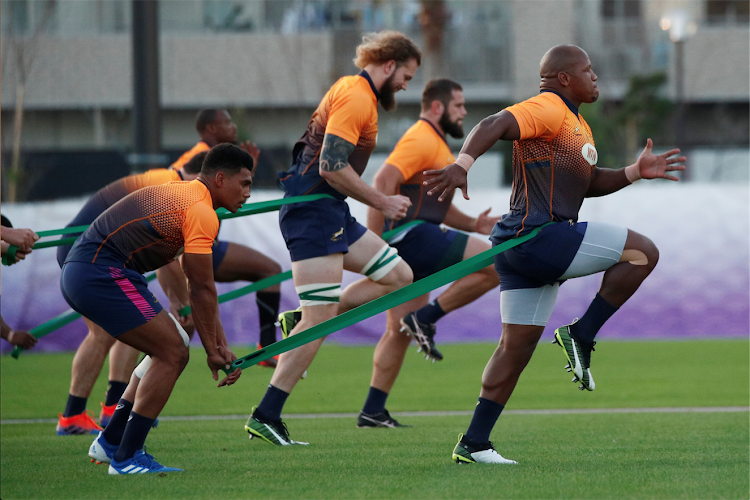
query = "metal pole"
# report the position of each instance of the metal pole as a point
(146, 108)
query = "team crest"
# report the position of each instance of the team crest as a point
(589, 154)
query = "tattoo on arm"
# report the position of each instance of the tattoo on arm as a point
(335, 153)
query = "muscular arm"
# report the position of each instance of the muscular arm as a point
(502, 125)
(335, 169)
(204, 300)
(387, 181)
(174, 283)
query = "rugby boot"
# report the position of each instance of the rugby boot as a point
(382, 419)
(578, 354)
(465, 453)
(100, 451)
(270, 431)
(270, 362)
(423, 334)
(106, 414)
(83, 423)
(140, 463)
(287, 321)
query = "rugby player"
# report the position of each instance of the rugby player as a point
(322, 237)
(102, 278)
(426, 247)
(554, 169)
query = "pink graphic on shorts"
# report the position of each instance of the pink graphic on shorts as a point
(136, 298)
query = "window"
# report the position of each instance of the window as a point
(727, 11)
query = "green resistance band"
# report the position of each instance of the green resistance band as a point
(247, 209)
(381, 304)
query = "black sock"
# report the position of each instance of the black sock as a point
(375, 402)
(115, 390)
(485, 416)
(586, 328)
(268, 312)
(75, 406)
(134, 436)
(272, 403)
(116, 426)
(430, 313)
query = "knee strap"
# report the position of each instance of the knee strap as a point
(183, 333)
(142, 367)
(635, 257)
(381, 263)
(319, 294)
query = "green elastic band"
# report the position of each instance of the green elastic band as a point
(10, 255)
(393, 232)
(247, 209)
(382, 304)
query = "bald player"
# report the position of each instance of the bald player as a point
(554, 169)
(102, 279)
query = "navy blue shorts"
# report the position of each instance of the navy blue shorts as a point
(88, 214)
(541, 260)
(318, 228)
(116, 299)
(429, 248)
(219, 252)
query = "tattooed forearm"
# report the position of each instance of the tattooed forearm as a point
(335, 153)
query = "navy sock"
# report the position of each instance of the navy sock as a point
(596, 315)
(134, 436)
(485, 416)
(75, 406)
(116, 426)
(115, 390)
(272, 403)
(268, 311)
(375, 402)
(430, 313)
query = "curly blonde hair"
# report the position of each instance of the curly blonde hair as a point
(379, 48)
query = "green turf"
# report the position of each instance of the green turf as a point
(627, 374)
(646, 455)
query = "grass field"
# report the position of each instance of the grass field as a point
(586, 455)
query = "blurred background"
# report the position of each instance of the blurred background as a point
(93, 90)
(673, 70)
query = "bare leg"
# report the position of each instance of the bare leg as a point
(472, 286)
(243, 263)
(122, 362)
(517, 344)
(391, 349)
(89, 360)
(622, 280)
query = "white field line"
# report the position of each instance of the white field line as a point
(458, 413)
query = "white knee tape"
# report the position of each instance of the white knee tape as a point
(180, 329)
(142, 367)
(319, 294)
(381, 263)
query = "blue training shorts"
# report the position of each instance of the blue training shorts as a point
(318, 228)
(429, 248)
(116, 299)
(543, 259)
(219, 251)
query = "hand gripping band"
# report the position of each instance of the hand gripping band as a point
(318, 294)
(381, 263)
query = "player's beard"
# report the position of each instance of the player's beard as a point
(453, 129)
(388, 95)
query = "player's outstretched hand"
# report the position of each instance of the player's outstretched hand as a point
(23, 339)
(444, 181)
(652, 166)
(252, 150)
(222, 359)
(485, 222)
(396, 207)
(22, 238)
